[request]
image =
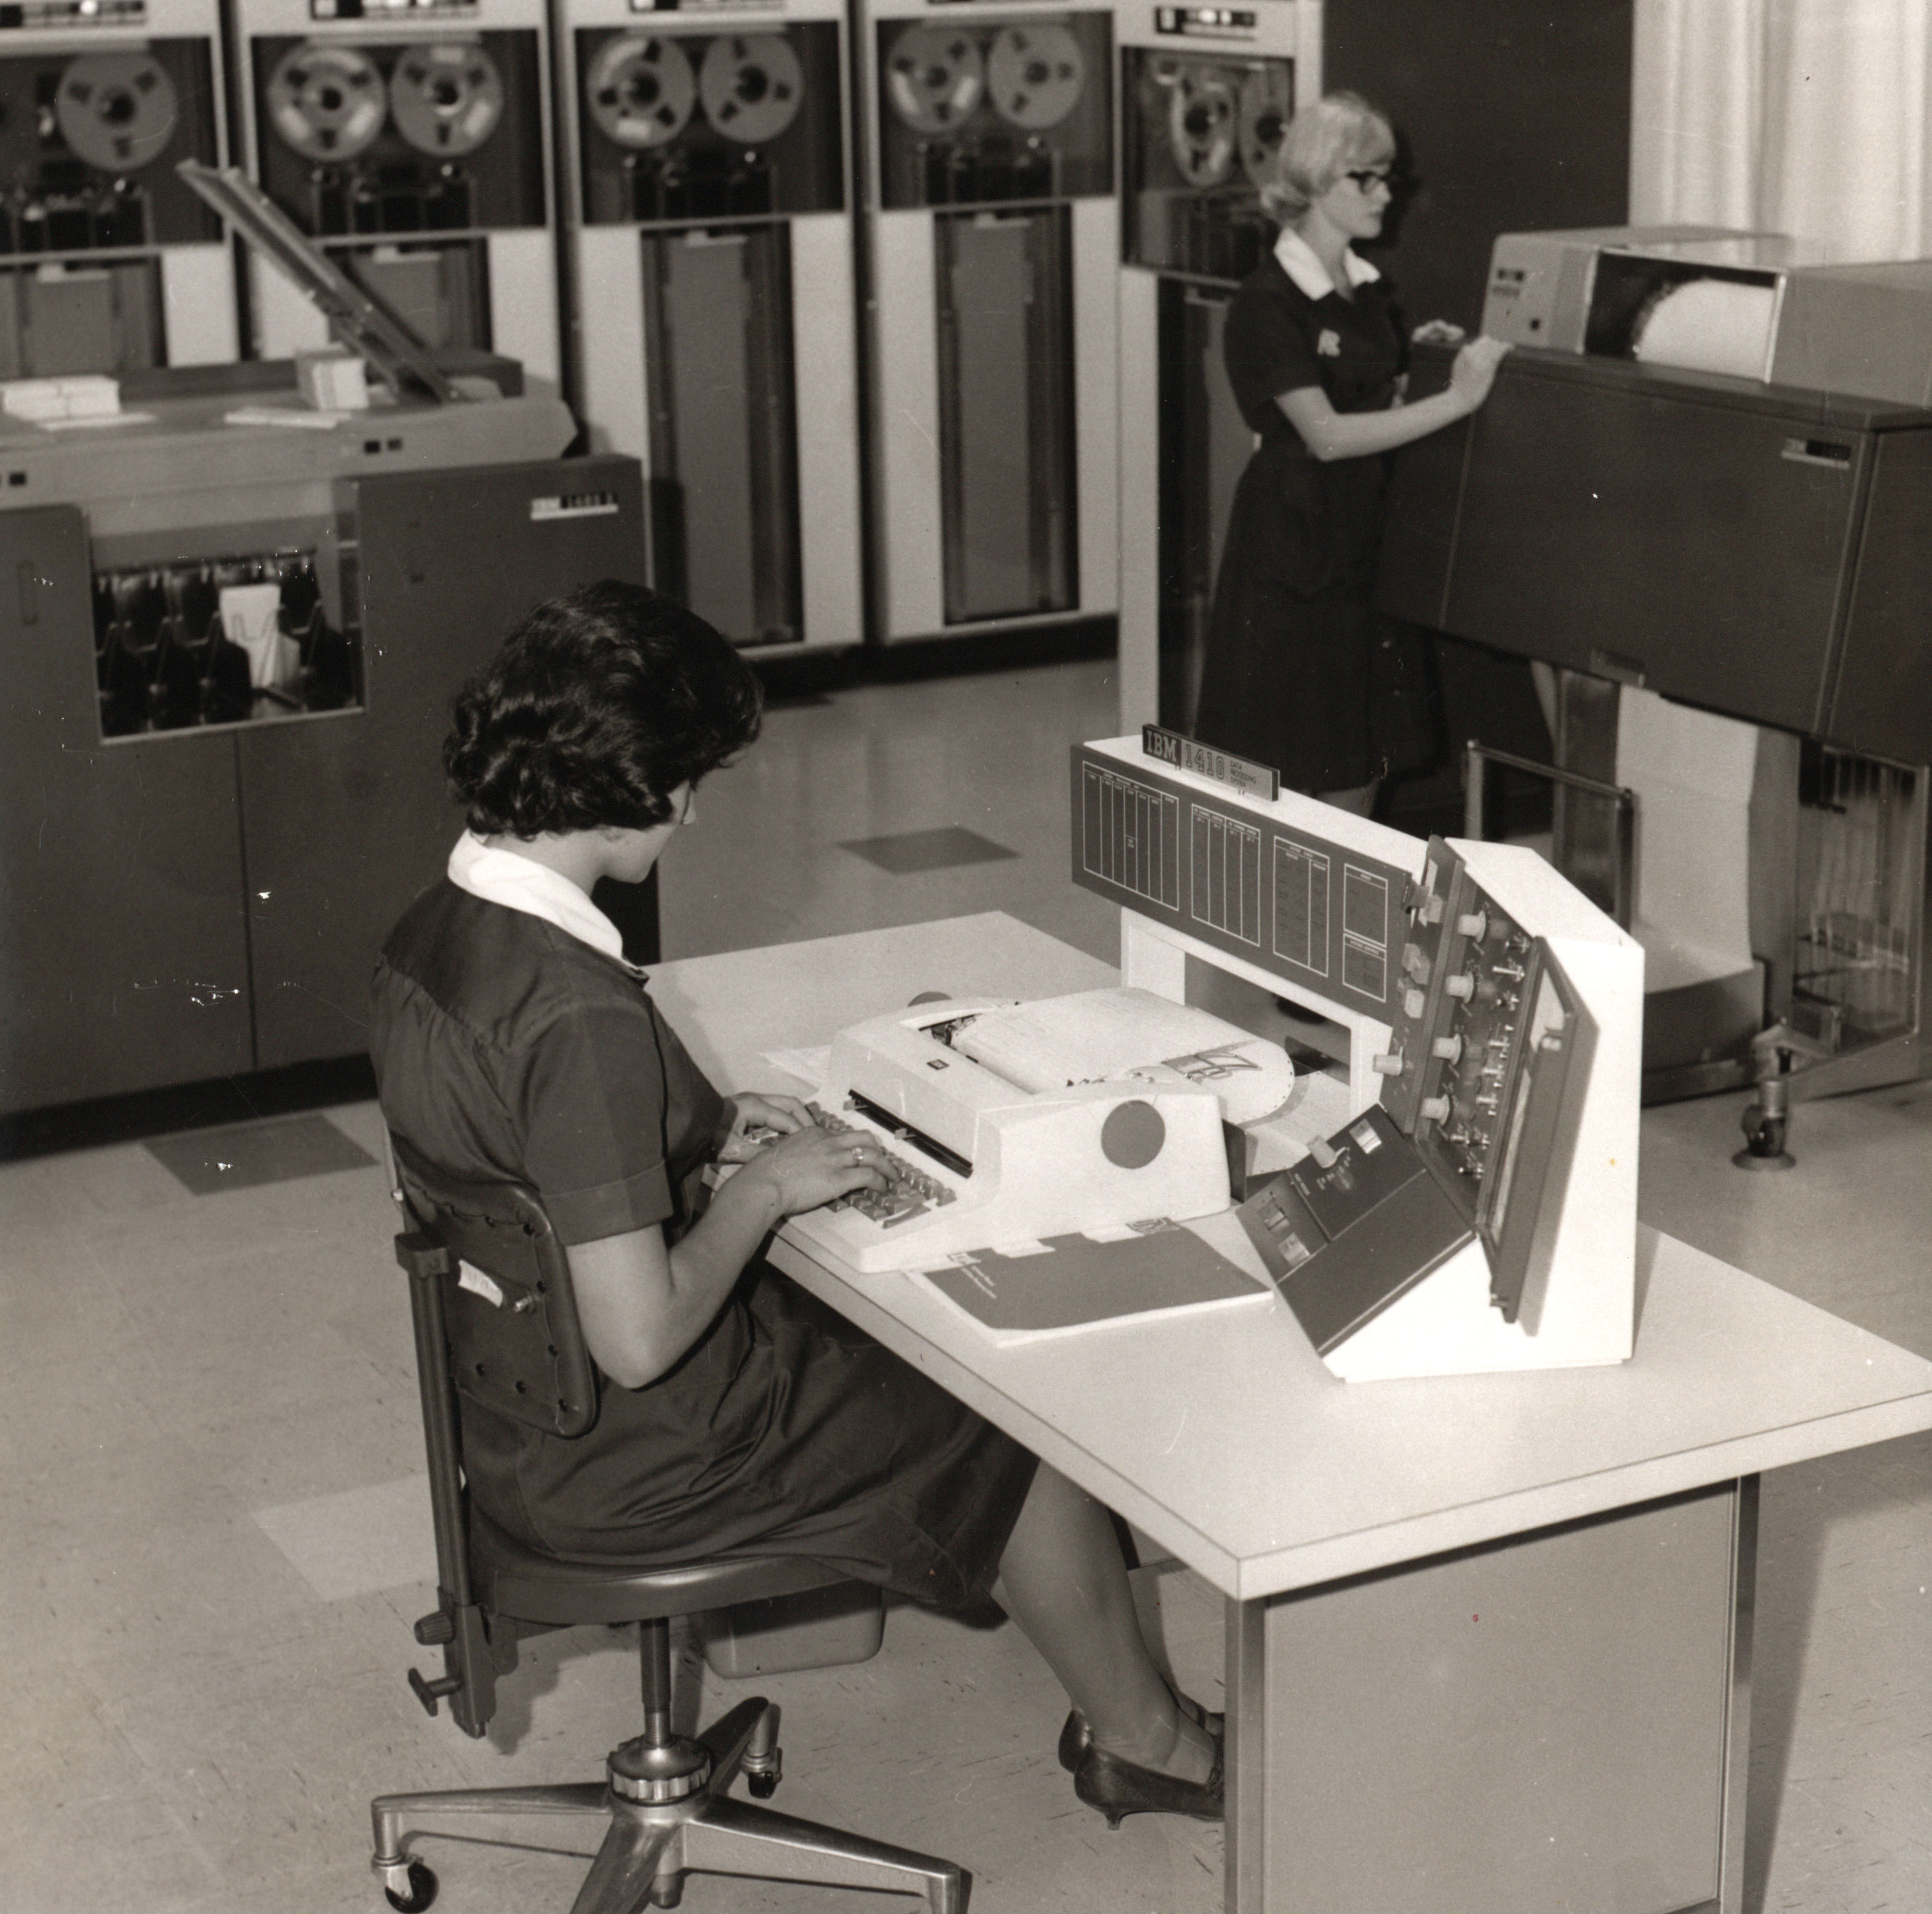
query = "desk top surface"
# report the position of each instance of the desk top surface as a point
(1222, 1435)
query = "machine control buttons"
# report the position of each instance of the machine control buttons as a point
(1474, 924)
(1434, 1109)
(1324, 1154)
(1413, 1002)
(1415, 962)
(1462, 986)
(1389, 1063)
(1449, 1048)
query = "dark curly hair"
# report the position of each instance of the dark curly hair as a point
(598, 706)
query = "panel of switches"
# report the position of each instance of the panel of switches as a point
(1483, 1011)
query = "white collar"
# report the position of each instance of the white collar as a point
(521, 883)
(1298, 261)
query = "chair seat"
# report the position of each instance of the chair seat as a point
(515, 1579)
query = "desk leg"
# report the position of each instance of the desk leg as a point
(1557, 1720)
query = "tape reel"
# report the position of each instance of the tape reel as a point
(751, 86)
(328, 102)
(1035, 75)
(447, 96)
(1267, 105)
(117, 111)
(934, 78)
(1202, 113)
(640, 90)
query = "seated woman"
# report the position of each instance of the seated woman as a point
(512, 1041)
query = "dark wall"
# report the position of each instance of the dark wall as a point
(1514, 115)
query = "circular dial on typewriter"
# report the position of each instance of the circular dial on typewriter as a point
(1200, 124)
(640, 90)
(751, 85)
(447, 96)
(1267, 105)
(934, 78)
(328, 102)
(116, 111)
(1035, 74)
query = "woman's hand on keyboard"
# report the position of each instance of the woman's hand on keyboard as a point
(809, 1166)
(757, 1119)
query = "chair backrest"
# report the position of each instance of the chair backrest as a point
(509, 1313)
(496, 1321)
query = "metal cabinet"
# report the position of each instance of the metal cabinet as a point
(203, 902)
(123, 956)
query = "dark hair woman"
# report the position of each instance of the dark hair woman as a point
(1316, 358)
(512, 1041)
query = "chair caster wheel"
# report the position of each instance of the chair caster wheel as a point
(763, 1786)
(420, 1892)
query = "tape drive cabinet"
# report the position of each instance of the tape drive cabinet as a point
(412, 142)
(108, 263)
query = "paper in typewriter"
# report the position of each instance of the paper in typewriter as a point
(1109, 1036)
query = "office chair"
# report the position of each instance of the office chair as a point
(496, 1323)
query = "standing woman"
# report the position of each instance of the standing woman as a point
(1315, 356)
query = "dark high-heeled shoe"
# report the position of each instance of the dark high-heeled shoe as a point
(1075, 1735)
(1119, 1787)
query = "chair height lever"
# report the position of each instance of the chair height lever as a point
(430, 1693)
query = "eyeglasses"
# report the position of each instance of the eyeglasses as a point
(1367, 178)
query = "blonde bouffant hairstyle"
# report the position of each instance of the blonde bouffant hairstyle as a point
(1335, 134)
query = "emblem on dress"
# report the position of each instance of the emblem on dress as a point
(1329, 345)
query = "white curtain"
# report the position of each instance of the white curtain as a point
(1805, 117)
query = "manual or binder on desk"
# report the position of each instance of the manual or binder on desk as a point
(1074, 1282)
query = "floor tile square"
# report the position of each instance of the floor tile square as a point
(244, 1155)
(910, 851)
(359, 1541)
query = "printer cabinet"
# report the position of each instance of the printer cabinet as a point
(202, 903)
(123, 954)
(347, 819)
(1704, 537)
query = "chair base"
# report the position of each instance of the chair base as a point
(647, 1849)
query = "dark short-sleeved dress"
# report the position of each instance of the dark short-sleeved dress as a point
(505, 1048)
(1288, 678)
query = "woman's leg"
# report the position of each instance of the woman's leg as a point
(1063, 1580)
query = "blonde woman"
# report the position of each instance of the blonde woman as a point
(1314, 353)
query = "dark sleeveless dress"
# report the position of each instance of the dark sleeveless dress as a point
(1290, 676)
(505, 1048)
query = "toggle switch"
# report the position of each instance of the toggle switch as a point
(1324, 1154)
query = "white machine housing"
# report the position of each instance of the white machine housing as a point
(519, 289)
(1796, 318)
(1444, 1324)
(1288, 30)
(198, 313)
(910, 436)
(1056, 1162)
(611, 354)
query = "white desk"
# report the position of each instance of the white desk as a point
(1488, 1637)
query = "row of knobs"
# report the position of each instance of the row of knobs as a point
(1474, 926)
